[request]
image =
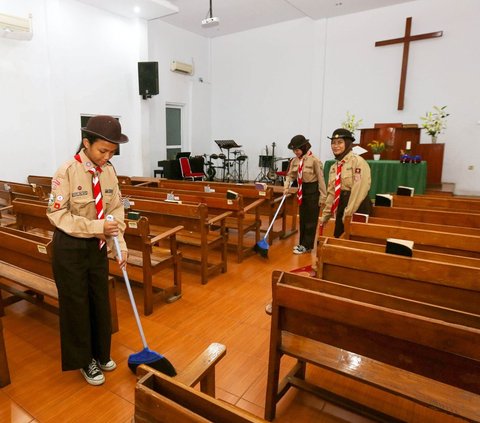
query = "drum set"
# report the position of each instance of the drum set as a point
(232, 167)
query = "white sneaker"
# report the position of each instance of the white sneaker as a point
(296, 247)
(300, 250)
(108, 366)
(92, 374)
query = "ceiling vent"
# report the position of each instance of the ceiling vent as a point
(180, 67)
(15, 27)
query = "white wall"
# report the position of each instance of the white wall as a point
(266, 85)
(168, 43)
(272, 83)
(80, 61)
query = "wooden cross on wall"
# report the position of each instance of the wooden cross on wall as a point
(406, 46)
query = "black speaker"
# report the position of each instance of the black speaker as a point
(147, 79)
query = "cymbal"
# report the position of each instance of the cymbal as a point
(278, 159)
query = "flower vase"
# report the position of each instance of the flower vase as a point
(434, 139)
(376, 156)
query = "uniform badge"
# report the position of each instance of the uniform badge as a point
(51, 199)
(358, 174)
(88, 164)
(56, 205)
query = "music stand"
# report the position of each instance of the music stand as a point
(227, 145)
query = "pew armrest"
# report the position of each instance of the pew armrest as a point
(202, 369)
(253, 205)
(218, 218)
(165, 234)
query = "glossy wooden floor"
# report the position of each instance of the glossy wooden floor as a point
(229, 309)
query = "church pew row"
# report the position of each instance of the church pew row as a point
(240, 221)
(26, 274)
(146, 259)
(4, 370)
(163, 399)
(471, 205)
(250, 193)
(440, 217)
(424, 239)
(440, 283)
(197, 233)
(370, 338)
(148, 255)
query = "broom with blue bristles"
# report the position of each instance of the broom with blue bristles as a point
(146, 356)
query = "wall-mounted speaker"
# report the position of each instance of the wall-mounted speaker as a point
(147, 79)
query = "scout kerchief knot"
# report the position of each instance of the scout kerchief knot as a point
(97, 193)
(300, 179)
(338, 184)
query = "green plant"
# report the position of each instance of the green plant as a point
(434, 122)
(351, 123)
(376, 146)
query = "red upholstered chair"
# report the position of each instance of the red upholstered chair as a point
(187, 171)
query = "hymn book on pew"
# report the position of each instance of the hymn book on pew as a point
(406, 191)
(401, 247)
(232, 195)
(384, 200)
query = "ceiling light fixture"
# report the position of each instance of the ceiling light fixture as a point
(210, 20)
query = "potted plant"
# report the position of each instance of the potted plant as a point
(434, 122)
(377, 147)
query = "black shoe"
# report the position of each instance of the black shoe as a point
(92, 374)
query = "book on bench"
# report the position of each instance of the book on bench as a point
(384, 200)
(407, 191)
(232, 195)
(401, 247)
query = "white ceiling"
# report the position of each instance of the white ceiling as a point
(235, 15)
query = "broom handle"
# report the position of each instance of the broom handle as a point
(275, 216)
(129, 289)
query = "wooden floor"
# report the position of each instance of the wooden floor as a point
(229, 309)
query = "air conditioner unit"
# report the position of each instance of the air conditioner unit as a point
(181, 68)
(16, 28)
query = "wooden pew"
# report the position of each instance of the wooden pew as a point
(441, 217)
(160, 398)
(26, 272)
(272, 196)
(443, 284)
(43, 181)
(430, 240)
(429, 361)
(197, 233)
(438, 203)
(146, 259)
(240, 221)
(4, 371)
(422, 254)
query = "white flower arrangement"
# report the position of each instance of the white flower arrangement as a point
(434, 122)
(351, 123)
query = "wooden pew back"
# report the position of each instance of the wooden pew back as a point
(43, 181)
(444, 284)
(440, 203)
(441, 217)
(431, 240)
(332, 331)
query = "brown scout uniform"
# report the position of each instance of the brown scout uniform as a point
(80, 268)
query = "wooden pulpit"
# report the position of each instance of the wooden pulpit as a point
(395, 136)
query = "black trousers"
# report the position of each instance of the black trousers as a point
(309, 211)
(80, 269)
(365, 207)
